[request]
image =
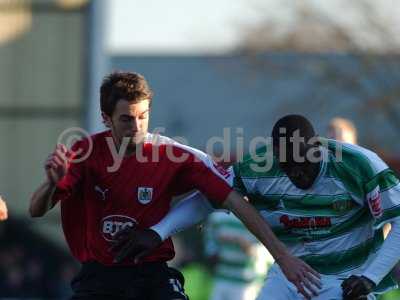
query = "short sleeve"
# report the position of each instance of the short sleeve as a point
(199, 171)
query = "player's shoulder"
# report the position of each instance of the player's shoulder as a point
(361, 160)
(158, 139)
(175, 146)
(89, 145)
(99, 138)
(183, 153)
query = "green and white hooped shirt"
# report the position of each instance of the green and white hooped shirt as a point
(235, 265)
(335, 225)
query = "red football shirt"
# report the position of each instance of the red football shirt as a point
(97, 201)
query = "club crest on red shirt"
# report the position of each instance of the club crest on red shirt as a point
(145, 194)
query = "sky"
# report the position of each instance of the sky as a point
(216, 26)
(176, 26)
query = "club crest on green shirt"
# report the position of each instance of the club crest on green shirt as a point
(342, 205)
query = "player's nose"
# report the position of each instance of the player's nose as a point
(135, 124)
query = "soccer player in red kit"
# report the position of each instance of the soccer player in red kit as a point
(128, 181)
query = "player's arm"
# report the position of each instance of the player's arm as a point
(55, 167)
(188, 212)
(195, 209)
(41, 199)
(295, 270)
(191, 211)
(386, 258)
(383, 200)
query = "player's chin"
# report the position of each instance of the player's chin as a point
(302, 183)
(137, 139)
(131, 139)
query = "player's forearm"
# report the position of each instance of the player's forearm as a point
(246, 246)
(256, 224)
(387, 257)
(41, 200)
(188, 212)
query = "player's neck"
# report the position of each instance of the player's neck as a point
(124, 149)
(132, 149)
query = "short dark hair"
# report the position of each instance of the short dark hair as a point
(119, 85)
(291, 123)
(287, 127)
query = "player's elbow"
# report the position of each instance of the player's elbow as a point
(232, 201)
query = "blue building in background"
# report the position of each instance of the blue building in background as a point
(198, 96)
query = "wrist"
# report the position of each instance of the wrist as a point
(159, 230)
(278, 250)
(281, 257)
(280, 253)
(50, 183)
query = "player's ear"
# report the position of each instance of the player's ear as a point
(106, 119)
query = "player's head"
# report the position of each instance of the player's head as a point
(125, 100)
(296, 148)
(342, 130)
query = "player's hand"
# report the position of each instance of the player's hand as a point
(357, 287)
(305, 278)
(135, 242)
(56, 164)
(3, 210)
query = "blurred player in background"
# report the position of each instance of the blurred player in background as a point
(327, 201)
(127, 182)
(3, 210)
(240, 261)
(343, 130)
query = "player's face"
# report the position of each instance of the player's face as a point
(130, 120)
(301, 174)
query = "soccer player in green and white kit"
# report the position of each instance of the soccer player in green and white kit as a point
(240, 260)
(327, 201)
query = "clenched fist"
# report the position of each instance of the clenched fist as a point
(357, 287)
(135, 242)
(56, 165)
